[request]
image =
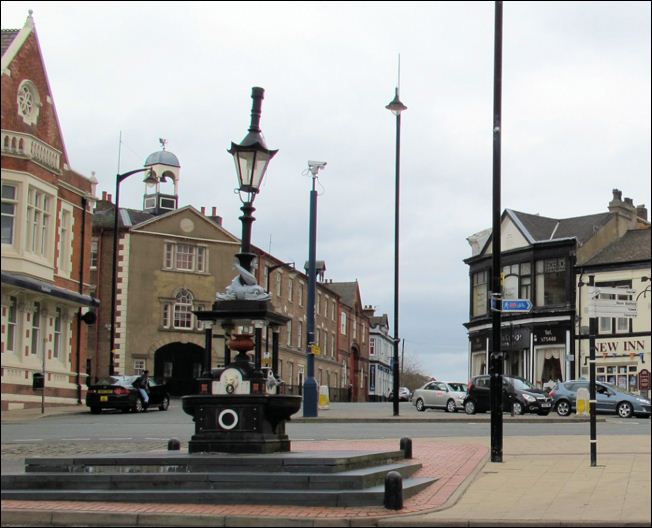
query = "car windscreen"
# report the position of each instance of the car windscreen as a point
(521, 384)
(458, 387)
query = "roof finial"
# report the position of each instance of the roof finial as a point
(30, 12)
(163, 142)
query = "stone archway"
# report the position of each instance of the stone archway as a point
(180, 364)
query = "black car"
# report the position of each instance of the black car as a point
(118, 392)
(519, 396)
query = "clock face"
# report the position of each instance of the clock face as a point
(187, 225)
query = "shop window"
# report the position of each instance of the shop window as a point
(620, 375)
(548, 368)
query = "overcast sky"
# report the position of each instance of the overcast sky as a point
(576, 124)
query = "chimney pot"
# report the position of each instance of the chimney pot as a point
(109, 198)
(214, 211)
(618, 194)
(203, 211)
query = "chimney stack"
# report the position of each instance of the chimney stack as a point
(641, 212)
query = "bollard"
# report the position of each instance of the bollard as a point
(393, 491)
(174, 444)
(406, 447)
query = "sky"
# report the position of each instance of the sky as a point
(575, 125)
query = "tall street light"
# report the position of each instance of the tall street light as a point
(396, 107)
(251, 159)
(158, 168)
(496, 358)
(310, 395)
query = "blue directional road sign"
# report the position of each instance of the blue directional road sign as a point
(517, 305)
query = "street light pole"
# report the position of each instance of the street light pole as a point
(496, 358)
(114, 283)
(310, 396)
(396, 107)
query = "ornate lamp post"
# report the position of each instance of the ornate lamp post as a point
(251, 159)
(396, 107)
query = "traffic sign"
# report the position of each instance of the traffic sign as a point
(517, 305)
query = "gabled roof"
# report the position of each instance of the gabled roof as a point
(633, 246)
(379, 320)
(8, 36)
(540, 228)
(348, 291)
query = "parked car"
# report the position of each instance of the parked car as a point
(404, 394)
(610, 399)
(118, 392)
(519, 396)
(440, 395)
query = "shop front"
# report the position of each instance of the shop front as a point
(619, 360)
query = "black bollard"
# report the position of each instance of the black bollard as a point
(406, 447)
(174, 444)
(393, 491)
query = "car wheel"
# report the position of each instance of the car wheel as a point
(420, 405)
(563, 408)
(518, 408)
(164, 404)
(469, 407)
(139, 406)
(95, 410)
(624, 410)
(450, 406)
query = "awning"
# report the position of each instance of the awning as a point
(39, 286)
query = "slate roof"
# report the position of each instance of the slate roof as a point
(8, 36)
(633, 246)
(346, 290)
(541, 228)
(104, 218)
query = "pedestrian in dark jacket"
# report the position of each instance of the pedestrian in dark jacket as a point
(142, 384)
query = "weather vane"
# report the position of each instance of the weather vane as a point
(163, 142)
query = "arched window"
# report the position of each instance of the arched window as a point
(183, 309)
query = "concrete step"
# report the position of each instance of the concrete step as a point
(352, 479)
(309, 497)
(168, 462)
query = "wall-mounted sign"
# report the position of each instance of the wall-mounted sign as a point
(549, 335)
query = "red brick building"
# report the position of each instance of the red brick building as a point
(46, 233)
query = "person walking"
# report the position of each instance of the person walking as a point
(142, 384)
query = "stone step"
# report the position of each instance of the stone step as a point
(169, 462)
(351, 479)
(338, 498)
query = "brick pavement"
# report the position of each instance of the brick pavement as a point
(454, 464)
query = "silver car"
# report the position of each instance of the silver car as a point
(440, 395)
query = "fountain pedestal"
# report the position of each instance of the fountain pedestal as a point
(240, 423)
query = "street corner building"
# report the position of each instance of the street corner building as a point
(46, 234)
(547, 264)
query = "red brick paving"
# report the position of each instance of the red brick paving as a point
(452, 463)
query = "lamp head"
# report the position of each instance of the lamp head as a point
(396, 106)
(252, 155)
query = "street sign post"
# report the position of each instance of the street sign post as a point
(619, 305)
(516, 305)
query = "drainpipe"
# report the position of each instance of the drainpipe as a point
(81, 291)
